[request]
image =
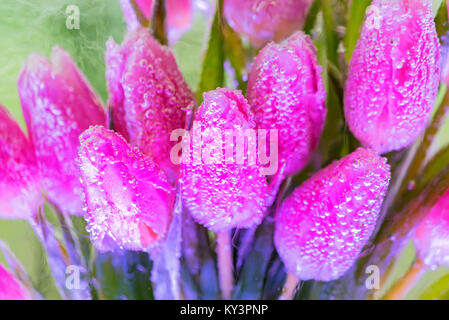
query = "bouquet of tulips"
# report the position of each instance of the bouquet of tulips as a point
(303, 166)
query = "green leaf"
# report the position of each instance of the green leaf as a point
(236, 55)
(252, 275)
(441, 19)
(312, 17)
(437, 6)
(329, 29)
(124, 274)
(439, 290)
(355, 21)
(212, 74)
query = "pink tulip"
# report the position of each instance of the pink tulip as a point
(393, 75)
(179, 15)
(58, 105)
(222, 195)
(322, 227)
(148, 95)
(265, 20)
(10, 287)
(20, 195)
(286, 93)
(128, 200)
(432, 236)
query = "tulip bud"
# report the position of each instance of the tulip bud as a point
(286, 93)
(264, 20)
(128, 200)
(148, 95)
(20, 195)
(322, 227)
(179, 15)
(393, 76)
(58, 105)
(432, 236)
(10, 287)
(223, 193)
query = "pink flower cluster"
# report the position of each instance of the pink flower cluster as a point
(127, 180)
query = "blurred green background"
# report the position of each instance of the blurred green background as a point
(36, 26)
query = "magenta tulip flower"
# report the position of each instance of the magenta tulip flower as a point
(286, 93)
(20, 194)
(10, 287)
(222, 194)
(179, 15)
(432, 236)
(148, 95)
(322, 227)
(58, 105)
(128, 199)
(265, 20)
(394, 74)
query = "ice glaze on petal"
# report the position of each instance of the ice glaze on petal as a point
(222, 196)
(286, 93)
(148, 95)
(128, 200)
(323, 225)
(58, 105)
(432, 236)
(394, 75)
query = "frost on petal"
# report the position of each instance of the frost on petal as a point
(393, 76)
(148, 95)
(58, 105)
(128, 200)
(322, 227)
(432, 236)
(10, 287)
(286, 93)
(222, 195)
(265, 20)
(20, 194)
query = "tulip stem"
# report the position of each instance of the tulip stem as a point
(403, 286)
(290, 287)
(225, 265)
(139, 15)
